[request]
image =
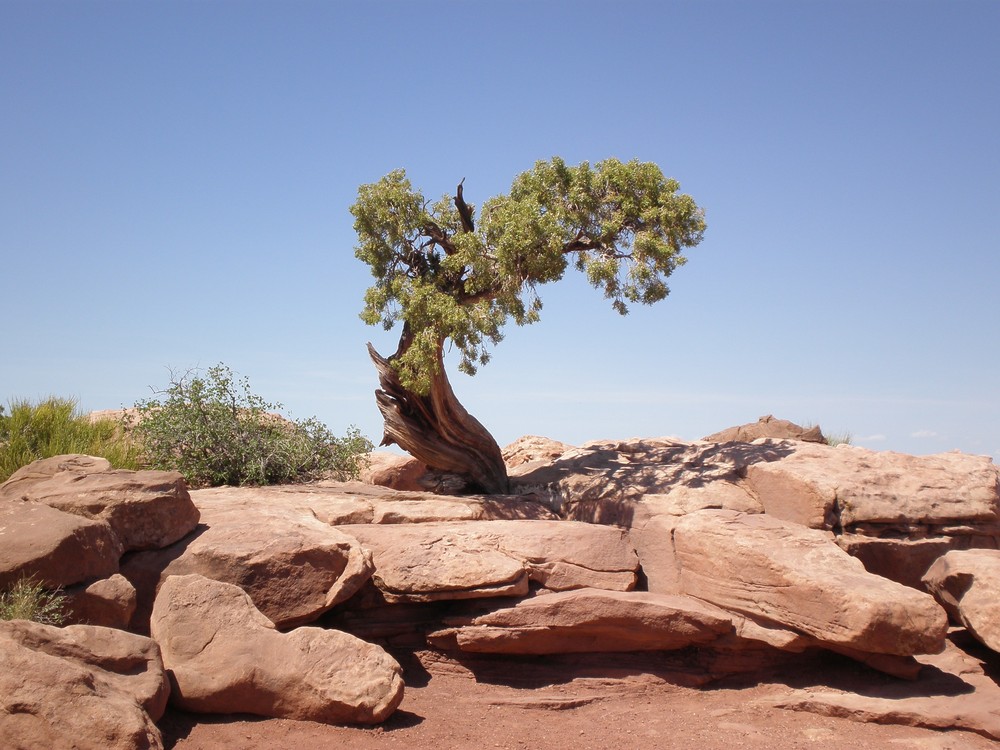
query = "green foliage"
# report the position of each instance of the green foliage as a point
(624, 225)
(29, 600)
(215, 431)
(54, 427)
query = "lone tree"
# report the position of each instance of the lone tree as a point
(448, 277)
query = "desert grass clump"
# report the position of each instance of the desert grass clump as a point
(54, 427)
(839, 438)
(215, 431)
(27, 599)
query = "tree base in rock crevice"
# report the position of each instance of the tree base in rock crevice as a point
(436, 429)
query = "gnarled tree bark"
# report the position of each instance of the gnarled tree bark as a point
(436, 429)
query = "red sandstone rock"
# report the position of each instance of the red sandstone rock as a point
(533, 449)
(46, 468)
(783, 573)
(589, 620)
(607, 481)
(767, 427)
(293, 566)
(853, 488)
(109, 602)
(434, 561)
(224, 656)
(81, 687)
(395, 471)
(56, 548)
(146, 509)
(967, 584)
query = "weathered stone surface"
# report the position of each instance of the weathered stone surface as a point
(955, 692)
(783, 573)
(532, 449)
(432, 561)
(56, 548)
(339, 503)
(654, 519)
(428, 563)
(293, 566)
(146, 509)
(394, 471)
(588, 620)
(767, 427)
(967, 584)
(604, 482)
(852, 488)
(46, 468)
(109, 602)
(906, 560)
(224, 656)
(82, 687)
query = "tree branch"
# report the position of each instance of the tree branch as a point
(438, 236)
(463, 209)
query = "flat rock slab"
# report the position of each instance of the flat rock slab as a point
(338, 503)
(607, 481)
(954, 692)
(967, 585)
(588, 620)
(55, 548)
(435, 561)
(146, 509)
(292, 565)
(224, 656)
(795, 577)
(81, 687)
(848, 486)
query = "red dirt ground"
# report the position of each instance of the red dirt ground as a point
(524, 706)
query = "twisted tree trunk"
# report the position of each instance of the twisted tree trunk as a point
(436, 429)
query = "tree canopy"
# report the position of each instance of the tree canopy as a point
(448, 276)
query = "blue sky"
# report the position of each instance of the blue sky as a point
(175, 180)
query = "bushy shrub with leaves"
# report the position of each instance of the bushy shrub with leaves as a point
(54, 427)
(215, 431)
(29, 600)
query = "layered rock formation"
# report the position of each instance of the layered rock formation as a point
(733, 555)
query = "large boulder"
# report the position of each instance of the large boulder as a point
(967, 584)
(110, 602)
(146, 509)
(435, 561)
(532, 449)
(45, 468)
(224, 656)
(783, 573)
(864, 491)
(395, 471)
(54, 548)
(895, 512)
(81, 687)
(588, 620)
(767, 427)
(609, 481)
(293, 566)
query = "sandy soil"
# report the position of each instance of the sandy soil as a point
(604, 706)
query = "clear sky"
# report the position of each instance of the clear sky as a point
(175, 180)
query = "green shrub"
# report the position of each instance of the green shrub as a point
(215, 431)
(29, 600)
(54, 427)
